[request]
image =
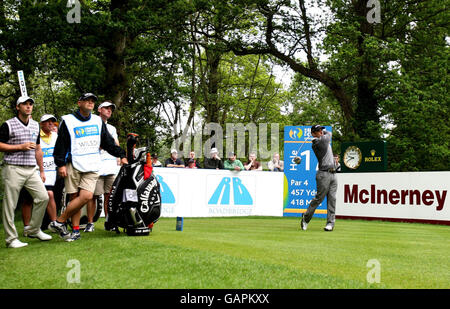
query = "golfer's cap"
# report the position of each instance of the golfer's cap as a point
(23, 99)
(86, 96)
(47, 117)
(231, 154)
(316, 128)
(191, 161)
(214, 150)
(106, 104)
(173, 151)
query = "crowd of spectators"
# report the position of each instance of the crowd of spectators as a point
(213, 161)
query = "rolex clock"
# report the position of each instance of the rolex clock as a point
(352, 157)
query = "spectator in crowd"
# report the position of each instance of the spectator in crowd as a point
(109, 167)
(214, 161)
(337, 162)
(20, 141)
(79, 162)
(276, 165)
(173, 161)
(253, 164)
(192, 157)
(155, 161)
(232, 163)
(191, 164)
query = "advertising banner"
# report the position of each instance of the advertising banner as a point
(300, 179)
(410, 196)
(219, 193)
(364, 156)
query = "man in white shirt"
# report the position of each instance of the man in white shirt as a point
(110, 166)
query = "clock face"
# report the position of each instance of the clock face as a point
(352, 157)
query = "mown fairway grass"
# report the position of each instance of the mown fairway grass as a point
(237, 253)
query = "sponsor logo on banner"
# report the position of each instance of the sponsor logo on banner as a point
(298, 134)
(295, 133)
(372, 157)
(235, 193)
(356, 194)
(167, 196)
(168, 186)
(241, 196)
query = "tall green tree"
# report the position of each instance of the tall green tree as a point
(368, 64)
(104, 53)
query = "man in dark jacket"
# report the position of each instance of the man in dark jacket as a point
(214, 162)
(77, 157)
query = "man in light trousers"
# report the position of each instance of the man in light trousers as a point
(19, 140)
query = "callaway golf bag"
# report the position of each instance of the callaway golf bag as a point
(135, 200)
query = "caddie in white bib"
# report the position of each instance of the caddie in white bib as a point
(49, 162)
(85, 142)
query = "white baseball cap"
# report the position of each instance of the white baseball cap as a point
(23, 99)
(173, 151)
(106, 104)
(47, 117)
(214, 150)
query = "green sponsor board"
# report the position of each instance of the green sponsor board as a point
(363, 157)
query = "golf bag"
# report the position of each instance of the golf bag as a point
(135, 200)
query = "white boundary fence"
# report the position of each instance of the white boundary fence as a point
(409, 196)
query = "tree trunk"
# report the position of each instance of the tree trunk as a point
(366, 104)
(213, 58)
(117, 83)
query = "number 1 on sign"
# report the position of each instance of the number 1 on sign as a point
(307, 154)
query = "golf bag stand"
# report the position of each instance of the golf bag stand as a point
(135, 200)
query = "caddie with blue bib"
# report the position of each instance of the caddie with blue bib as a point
(77, 157)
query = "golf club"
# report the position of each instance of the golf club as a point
(298, 159)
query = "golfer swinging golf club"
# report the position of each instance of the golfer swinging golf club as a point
(325, 178)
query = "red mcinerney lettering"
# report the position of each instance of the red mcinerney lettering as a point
(403, 197)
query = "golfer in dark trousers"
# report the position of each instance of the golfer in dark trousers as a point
(325, 178)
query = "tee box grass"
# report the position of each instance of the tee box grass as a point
(236, 253)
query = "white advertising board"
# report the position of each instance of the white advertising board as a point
(219, 193)
(416, 196)
(408, 196)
